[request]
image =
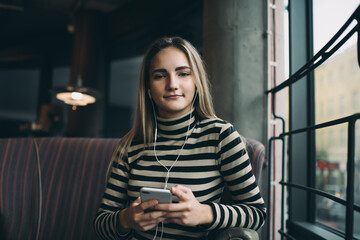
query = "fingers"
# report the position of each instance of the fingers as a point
(138, 219)
(150, 220)
(180, 188)
(148, 205)
(173, 207)
(183, 193)
(138, 200)
(188, 211)
(142, 206)
(154, 216)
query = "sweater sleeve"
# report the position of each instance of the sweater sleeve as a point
(249, 209)
(114, 200)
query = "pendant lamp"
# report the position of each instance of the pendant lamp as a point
(76, 95)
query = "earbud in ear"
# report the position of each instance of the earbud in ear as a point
(149, 93)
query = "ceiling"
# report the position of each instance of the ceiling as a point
(31, 28)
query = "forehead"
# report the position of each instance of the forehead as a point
(169, 57)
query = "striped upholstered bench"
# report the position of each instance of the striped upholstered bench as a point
(73, 178)
(72, 173)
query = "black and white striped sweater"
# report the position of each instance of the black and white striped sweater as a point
(214, 154)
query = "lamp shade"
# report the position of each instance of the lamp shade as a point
(76, 95)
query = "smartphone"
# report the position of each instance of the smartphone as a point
(162, 195)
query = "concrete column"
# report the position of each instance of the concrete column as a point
(235, 51)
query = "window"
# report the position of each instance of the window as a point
(343, 135)
(330, 77)
(322, 84)
(353, 66)
(330, 104)
(344, 84)
(342, 105)
(321, 111)
(317, 173)
(331, 139)
(124, 75)
(331, 178)
(355, 100)
(19, 82)
(18, 111)
(341, 73)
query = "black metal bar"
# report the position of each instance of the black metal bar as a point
(290, 118)
(327, 55)
(310, 135)
(323, 125)
(284, 234)
(275, 114)
(319, 192)
(290, 152)
(283, 187)
(349, 225)
(356, 207)
(314, 190)
(321, 53)
(314, 63)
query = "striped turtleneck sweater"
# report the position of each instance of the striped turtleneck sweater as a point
(214, 155)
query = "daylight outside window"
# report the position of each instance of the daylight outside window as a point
(337, 91)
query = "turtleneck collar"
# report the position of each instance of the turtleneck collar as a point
(176, 128)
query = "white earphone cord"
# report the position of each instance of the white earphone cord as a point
(182, 147)
(157, 159)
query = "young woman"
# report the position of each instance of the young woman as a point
(178, 143)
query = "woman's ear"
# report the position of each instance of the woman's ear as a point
(149, 93)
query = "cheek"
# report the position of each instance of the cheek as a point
(155, 88)
(190, 87)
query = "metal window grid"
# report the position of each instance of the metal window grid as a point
(327, 51)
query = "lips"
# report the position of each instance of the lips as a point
(173, 96)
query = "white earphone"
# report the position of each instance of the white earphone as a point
(168, 169)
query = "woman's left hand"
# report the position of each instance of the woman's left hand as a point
(188, 211)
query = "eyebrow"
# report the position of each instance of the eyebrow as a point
(162, 70)
(181, 68)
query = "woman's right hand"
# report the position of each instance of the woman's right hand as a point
(135, 218)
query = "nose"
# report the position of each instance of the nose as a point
(173, 82)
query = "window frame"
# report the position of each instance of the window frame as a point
(301, 191)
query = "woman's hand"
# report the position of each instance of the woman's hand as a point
(188, 211)
(135, 218)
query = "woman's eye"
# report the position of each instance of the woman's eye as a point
(184, 74)
(158, 76)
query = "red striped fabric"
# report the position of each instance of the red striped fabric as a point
(73, 180)
(256, 151)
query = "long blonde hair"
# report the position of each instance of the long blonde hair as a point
(143, 127)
